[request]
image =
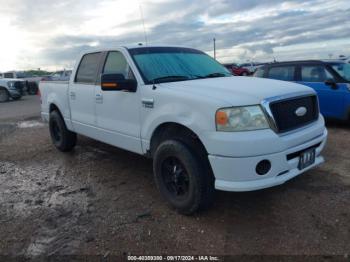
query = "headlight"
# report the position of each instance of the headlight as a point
(243, 118)
(11, 85)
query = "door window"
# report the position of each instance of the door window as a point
(342, 69)
(316, 73)
(9, 75)
(88, 67)
(117, 64)
(285, 73)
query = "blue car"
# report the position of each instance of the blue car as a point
(330, 79)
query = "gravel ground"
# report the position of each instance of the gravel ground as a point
(100, 200)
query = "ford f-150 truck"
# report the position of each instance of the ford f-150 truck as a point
(204, 128)
(10, 88)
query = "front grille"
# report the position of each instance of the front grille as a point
(19, 85)
(284, 112)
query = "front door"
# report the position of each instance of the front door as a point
(331, 98)
(118, 112)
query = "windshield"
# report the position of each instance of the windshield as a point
(169, 64)
(342, 69)
(9, 75)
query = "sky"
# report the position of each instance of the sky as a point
(50, 34)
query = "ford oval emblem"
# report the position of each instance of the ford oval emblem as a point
(301, 111)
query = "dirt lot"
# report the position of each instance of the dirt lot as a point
(102, 200)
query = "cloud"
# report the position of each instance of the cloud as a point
(52, 34)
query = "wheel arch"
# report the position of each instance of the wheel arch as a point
(175, 130)
(5, 88)
(54, 107)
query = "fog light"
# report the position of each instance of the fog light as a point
(263, 167)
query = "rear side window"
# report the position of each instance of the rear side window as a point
(285, 73)
(88, 67)
(316, 73)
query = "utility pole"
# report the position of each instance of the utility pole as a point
(214, 48)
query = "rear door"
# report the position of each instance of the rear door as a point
(331, 98)
(118, 112)
(82, 93)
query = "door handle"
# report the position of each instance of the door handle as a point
(147, 102)
(99, 98)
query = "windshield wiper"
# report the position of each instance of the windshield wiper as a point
(170, 78)
(215, 75)
(212, 75)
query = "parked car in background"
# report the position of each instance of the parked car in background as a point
(204, 128)
(10, 88)
(251, 67)
(30, 83)
(236, 70)
(10, 74)
(63, 75)
(330, 79)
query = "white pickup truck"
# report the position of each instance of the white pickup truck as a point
(204, 128)
(11, 88)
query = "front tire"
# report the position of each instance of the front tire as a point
(63, 139)
(180, 177)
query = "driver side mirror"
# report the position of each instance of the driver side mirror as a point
(331, 83)
(117, 82)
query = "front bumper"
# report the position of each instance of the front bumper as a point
(14, 93)
(239, 173)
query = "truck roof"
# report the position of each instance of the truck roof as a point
(135, 46)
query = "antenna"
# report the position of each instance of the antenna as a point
(143, 23)
(214, 41)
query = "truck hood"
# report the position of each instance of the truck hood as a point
(236, 91)
(11, 79)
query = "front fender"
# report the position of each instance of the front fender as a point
(199, 121)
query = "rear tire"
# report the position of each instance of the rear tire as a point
(63, 139)
(4, 95)
(181, 178)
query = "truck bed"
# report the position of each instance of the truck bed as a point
(54, 92)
